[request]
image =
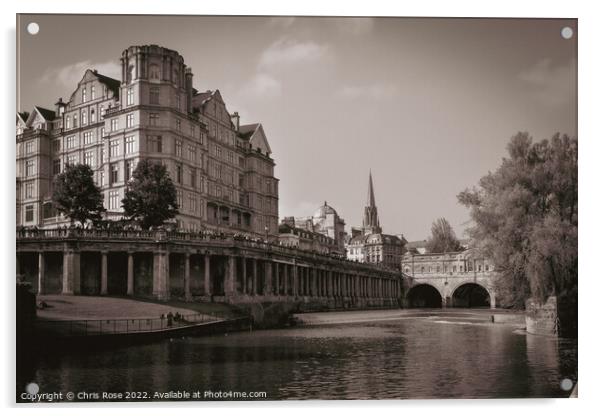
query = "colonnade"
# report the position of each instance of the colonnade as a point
(229, 274)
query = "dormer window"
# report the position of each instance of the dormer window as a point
(92, 92)
(84, 95)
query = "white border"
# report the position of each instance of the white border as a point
(590, 92)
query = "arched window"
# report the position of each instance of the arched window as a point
(92, 116)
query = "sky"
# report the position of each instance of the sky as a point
(428, 105)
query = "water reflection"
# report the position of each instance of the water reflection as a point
(417, 358)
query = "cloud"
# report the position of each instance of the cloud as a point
(282, 21)
(70, 75)
(287, 51)
(263, 85)
(373, 91)
(300, 209)
(550, 84)
(355, 26)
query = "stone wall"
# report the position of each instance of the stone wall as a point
(557, 316)
(542, 318)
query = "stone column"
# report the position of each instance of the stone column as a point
(104, 279)
(285, 276)
(41, 272)
(277, 278)
(268, 277)
(71, 272)
(187, 294)
(318, 282)
(244, 275)
(130, 287)
(161, 275)
(492, 299)
(230, 278)
(305, 281)
(255, 277)
(207, 275)
(295, 280)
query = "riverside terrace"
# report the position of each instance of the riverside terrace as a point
(197, 267)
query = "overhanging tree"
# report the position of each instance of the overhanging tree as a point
(525, 219)
(443, 238)
(150, 197)
(76, 195)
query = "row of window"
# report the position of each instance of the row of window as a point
(92, 92)
(454, 268)
(71, 121)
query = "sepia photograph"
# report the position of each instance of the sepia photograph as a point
(280, 208)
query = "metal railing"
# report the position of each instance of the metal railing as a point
(87, 327)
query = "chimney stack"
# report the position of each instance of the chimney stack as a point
(59, 107)
(188, 90)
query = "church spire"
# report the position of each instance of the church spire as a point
(371, 224)
(370, 202)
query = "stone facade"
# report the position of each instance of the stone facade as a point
(223, 171)
(291, 236)
(451, 277)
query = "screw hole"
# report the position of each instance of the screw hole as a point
(566, 32)
(33, 28)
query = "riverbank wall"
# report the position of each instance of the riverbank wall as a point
(49, 340)
(557, 316)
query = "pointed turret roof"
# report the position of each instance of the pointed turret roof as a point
(371, 202)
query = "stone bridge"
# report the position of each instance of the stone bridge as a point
(194, 266)
(457, 279)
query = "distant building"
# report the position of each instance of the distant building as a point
(369, 244)
(223, 171)
(304, 239)
(419, 246)
(325, 221)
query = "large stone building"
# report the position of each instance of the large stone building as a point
(369, 244)
(223, 171)
(325, 221)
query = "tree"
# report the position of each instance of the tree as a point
(76, 195)
(443, 238)
(525, 219)
(150, 197)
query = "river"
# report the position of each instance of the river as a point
(417, 357)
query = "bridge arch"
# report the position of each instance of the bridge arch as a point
(471, 295)
(424, 295)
